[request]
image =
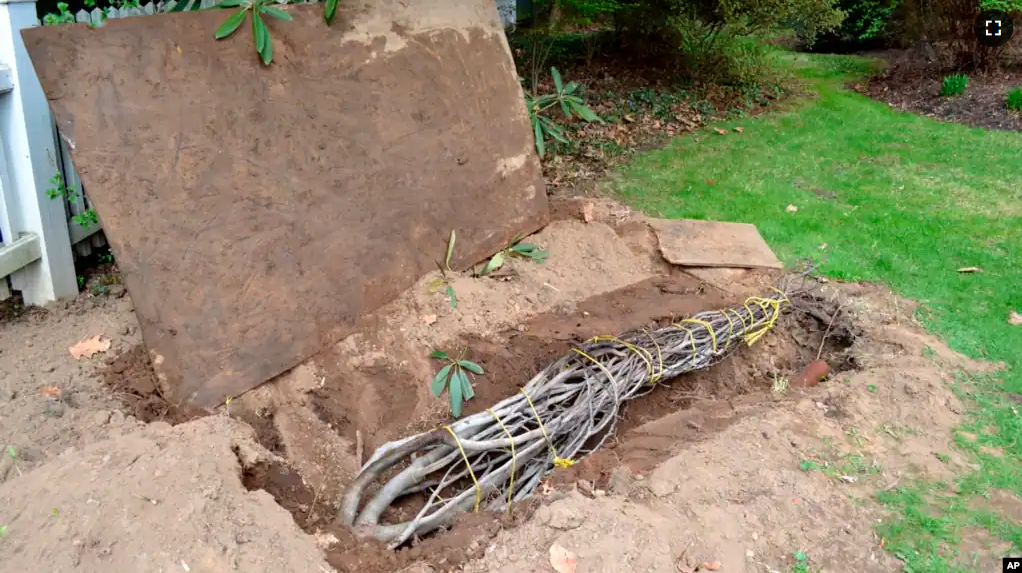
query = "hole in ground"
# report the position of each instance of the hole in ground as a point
(382, 404)
(465, 541)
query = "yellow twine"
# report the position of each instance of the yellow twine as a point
(691, 338)
(706, 325)
(479, 488)
(659, 357)
(514, 458)
(558, 461)
(641, 352)
(730, 329)
(766, 305)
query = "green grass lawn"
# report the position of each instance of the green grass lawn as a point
(898, 199)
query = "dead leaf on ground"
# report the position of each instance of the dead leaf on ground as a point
(629, 118)
(587, 212)
(791, 209)
(970, 270)
(1014, 318)
(562, 560)
(720, 131)
(739, 129)
(89, 347)
(51, 392)
(711, 566)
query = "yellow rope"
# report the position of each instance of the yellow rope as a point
(479, 488)
(766, 305)
(641, 352)
(558, 461)
(692, 339)
(730, 329)
(514, 458)
(704, 324)
(659, 357)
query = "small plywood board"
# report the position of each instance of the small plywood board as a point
(692, 243)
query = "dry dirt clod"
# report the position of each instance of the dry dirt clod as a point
(562, 560)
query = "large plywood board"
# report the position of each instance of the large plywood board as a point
(256, 213)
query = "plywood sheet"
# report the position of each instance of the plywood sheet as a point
(693, 243)
(256, 213)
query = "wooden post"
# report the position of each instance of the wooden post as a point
(27, 134)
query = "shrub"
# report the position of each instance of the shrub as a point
(1014, 99)
(954, 84)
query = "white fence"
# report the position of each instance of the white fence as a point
(38, 234)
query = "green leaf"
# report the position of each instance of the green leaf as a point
(231, 24)
(439, 354)
(264, 45)
(524, 248)
(558, 84)
(440, 380)
(565, 109)
(539, 256)
(450, 249)
(180, 6)
(570, 88)
(585, 113)
(469, 365)
(537, 129)
(493, 264)
(11, 451)
(450, 295)
(229, 4)
(456, 391)
(435, 285)
(277, 13)
(466, 386)
(329, 11)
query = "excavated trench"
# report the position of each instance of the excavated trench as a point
(688, 409)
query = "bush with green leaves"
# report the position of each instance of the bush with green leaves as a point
(564, 97)
(455, 379)
(59, 190)
(1014, 99)
(954, 84)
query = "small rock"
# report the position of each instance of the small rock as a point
(48, 368)
(102, 418)
(125, 305)
(125, 330)
(117, 291)
(6, 394)
(561, 516)
(54, 409)
(911, 390)
(117, 417)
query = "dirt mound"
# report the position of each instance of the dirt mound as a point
(161, 499)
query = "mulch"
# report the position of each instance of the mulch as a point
(912, 84)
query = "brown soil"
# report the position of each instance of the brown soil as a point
(911, 83)
(707, 466)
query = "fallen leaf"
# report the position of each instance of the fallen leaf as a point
(711, 566)
(587, 212)
(711, 182)
(629, 118)
(1015, 319)
(51, 392)
(720, 131)
(562, 560)
(429, 319)
(970, 270)
(89, 347)
(739, 129)
(791, 209)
